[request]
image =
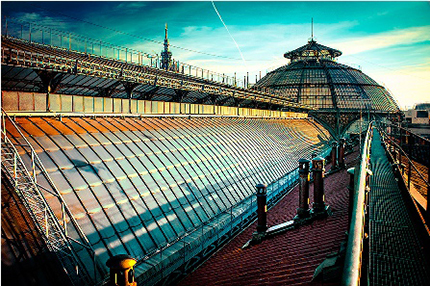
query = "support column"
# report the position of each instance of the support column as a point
(129, 87)
(50, 83)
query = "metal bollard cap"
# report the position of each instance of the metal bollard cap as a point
(261, 188)
(318, 164)
(121, 261)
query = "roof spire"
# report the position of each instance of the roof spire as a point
(312, 29)
(166, 55)
(166, 40)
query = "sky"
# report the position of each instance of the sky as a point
(389, 41)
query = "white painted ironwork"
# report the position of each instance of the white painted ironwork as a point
(53, 232)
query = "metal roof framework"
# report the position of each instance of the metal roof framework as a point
(34, 67)
(138, 186)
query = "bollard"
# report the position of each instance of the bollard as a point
(303, 210)
(262, 207)
(334, 155)
(342, 153)
(318, 175)
(351, 172)
(121, 270)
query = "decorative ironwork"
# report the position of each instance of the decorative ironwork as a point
(85, 74)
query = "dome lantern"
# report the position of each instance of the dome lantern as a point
(312, 50)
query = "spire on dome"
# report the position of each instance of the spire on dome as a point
(312, 29)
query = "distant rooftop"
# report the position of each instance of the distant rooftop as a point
(423, 106)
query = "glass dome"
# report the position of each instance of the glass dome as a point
(314, 78)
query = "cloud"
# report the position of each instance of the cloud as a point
(263, 46)
(42, 20)
(409, 85)
(406, 36)
(131, 5)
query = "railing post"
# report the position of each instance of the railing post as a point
(33, 166)
(46, 223)
(334, 155)
(63, 211)
(15, 175)
(400, 155)
(409, 174)
(342, 153)
(351, 188)
(428, 192)
(3, 123)
(395, 153)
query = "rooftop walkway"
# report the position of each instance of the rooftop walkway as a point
(395, 250)
(289, 258)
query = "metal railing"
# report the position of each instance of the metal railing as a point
(141, 75)
(37, 33)
(226, 225)
(400, 157)
(410, 142)
(352, 266)
(53, 231)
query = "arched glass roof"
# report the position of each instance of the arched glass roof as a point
(136, 186)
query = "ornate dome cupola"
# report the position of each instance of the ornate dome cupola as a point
(339, 93)
(312, 51)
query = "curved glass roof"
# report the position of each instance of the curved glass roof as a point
(136, 186)
(314, 78)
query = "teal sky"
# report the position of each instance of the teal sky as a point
(389, 41)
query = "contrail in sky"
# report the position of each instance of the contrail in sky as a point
(237, 46)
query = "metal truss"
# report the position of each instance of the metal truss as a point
(53, 231)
